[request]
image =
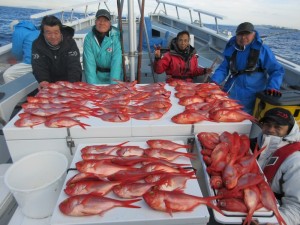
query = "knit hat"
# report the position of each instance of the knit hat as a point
(245, 27)
(280, 116)
(103, 12)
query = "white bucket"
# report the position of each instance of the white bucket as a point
(36, 181)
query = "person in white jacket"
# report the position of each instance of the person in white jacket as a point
(280, 134)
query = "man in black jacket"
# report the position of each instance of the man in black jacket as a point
(55, 55)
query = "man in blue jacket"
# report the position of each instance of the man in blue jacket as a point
(249, 66)
(25, 32)
(102, 54)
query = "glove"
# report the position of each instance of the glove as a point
(273, 92)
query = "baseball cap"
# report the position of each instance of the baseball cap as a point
(245, 27)
(280, 116)
(103, 12)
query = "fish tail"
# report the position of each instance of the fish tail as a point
(129, 202)
(213, 206)
(83, 125)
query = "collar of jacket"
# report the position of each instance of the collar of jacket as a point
(187, 53)
(231, 44)
(98, 34)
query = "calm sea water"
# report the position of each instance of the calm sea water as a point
(283, 42)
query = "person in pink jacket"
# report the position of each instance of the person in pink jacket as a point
(181, 61)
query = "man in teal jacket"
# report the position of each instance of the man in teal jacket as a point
(102, 54)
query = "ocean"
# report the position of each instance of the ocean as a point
(283, 42)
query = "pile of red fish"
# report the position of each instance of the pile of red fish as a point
(134, 173)
(235, 175)
(61, 104)
(206, 101)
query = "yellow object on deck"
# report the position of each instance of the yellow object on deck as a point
(289, 100)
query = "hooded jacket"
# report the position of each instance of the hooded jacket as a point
(246, 85)
(179, 64)
(108, 56)
(286, 181)
(23, 36)
(62, 64)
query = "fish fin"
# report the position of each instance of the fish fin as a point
(168, 207)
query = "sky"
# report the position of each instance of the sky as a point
(282, 13)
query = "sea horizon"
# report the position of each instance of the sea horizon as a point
(283, 41)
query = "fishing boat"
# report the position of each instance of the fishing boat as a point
(166, 21)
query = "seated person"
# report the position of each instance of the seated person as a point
(24, 33)
(181, 62)
(102, 54)
(55, 55)
(280, 161)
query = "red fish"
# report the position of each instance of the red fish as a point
(97, 149)
(171, 182)
(45, 112)
(208, 139)
(188, 117)
(166, 154)
(86, 205)
(115, 117)
(95, 187)
(187, 100)
(57, 122)
(165, 144)
(130, 151)
(232, 204)
(30, 121)
(171, 201)
(132, 190)
(101, 167)
(150, 115)
(251, 199)
(268, 200)
(227, 115)
(83, 177)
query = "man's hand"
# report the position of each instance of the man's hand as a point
(208, 70)
(273, 92)
(157, 51)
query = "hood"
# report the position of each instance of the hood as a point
(26, 24)
(68, 32)
(174, 49)
(294, 135)
(231, 44)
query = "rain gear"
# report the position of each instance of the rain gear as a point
(179, 64)
(102, 63)
(286, 181)
(25, 32)
(243, 87)
(62, 64)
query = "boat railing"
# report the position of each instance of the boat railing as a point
(190, 10)
(82, 7)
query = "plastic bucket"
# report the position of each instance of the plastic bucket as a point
(36, 181)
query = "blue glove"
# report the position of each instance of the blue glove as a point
(273, 92)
